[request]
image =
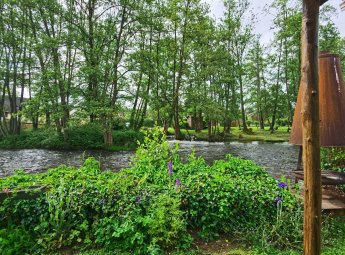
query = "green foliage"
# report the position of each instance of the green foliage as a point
(333, 159)
(148, 123)
(15, 240)
(148, 208)
(42, 138)
(231, 196)
(88, 136)
(127, 138)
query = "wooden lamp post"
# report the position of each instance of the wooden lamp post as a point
(310, 126)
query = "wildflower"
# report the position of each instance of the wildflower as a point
(170, 169)
(178, 183)
(138, 200)
(278, 200)
(6, 190)
(282, 185)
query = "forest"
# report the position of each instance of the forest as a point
(123, 63)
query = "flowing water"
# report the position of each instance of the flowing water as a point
(278, 158)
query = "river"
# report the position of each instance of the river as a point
(278, 158)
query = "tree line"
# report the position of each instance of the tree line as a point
(83, 61)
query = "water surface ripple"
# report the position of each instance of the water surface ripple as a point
(278, 158)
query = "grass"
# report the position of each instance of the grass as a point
(279, 135)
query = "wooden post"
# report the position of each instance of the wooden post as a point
(310, 128)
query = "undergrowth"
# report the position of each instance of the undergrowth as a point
(150, 208)
(89, 136)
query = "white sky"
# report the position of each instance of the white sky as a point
(265, 20)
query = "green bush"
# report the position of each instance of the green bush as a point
(15, 240)
(86, 136)
(41, 138)
(184, 125)
(232, 195)
(127, 138)
(148, 208)
(120, 123)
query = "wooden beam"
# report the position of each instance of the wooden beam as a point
(310, 127)
(342, 6)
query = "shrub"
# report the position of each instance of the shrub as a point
(120, 123)
(184, 125)
(41, 138)
(86, 136)
(127, 138)
(146, 209)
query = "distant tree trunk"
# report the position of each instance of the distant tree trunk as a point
(48, 120)
(243, 114)
(227, 119)
(276, 91)
(209, 129)
(288, 96)
(108, 132)
(159, 122)
(258, 70)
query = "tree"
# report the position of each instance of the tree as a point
(234, 23)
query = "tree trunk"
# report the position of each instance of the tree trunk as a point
(243, 114)
(311, 128)
(276, 91)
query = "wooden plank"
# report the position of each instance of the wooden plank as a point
(328, 177)
(331, 200)
(333, 204)
(29, 193)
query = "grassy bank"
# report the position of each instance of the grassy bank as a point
(83, 137)
(91, 137)
(159, 206)
(236, 134)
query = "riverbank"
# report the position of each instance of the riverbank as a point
(90, 137)
(236, 134)
(85, 137)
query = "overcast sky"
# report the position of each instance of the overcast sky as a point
(265, 20)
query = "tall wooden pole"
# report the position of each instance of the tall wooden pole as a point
(311, 127)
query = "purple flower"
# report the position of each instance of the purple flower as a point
(138, 200)
(178, 183)
(170, 169)
(278, 200)
(282, 185)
